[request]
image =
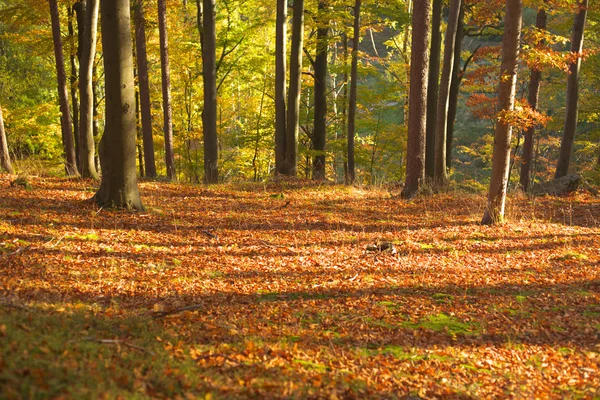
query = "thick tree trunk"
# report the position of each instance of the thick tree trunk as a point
(566, 145)
(65, 120)
(143, 82)
(432, 89)
(352, 98)
(293, 112)
(280, 85)
(494, 212)
(319, 136)
(166, 89)
(4, 155)
(417, 108)
(73, 81)
(455, 85)
(532, 99)
(87, 151)
(118, 187)
(441, 125)
(209, 113)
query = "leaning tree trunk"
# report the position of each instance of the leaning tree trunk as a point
(417, 106)
(566, 145)
(166, 89)
(118, 187)
(352, 98)
(494, 211)
(209, 113)
(143, 82)
(61, 76)
(87, 151)
(319, 136)
(532, 99)
(4, 155)
(457, 75)
(280, 81)
(441, 125)
(432, 88)
(293, 115)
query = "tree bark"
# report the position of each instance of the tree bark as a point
(280, 86)
(494, 212)
(566, 145)
(166, 89)
(291, 142)
(319, 136)
(73, 81)
(118, 187)
(441, 125)
(417, 107)
(65, 121)
(143, 82)
(455, 85)
(532, 99)
(433, 87)
(209, 113)
(352, 96)
(4, 155)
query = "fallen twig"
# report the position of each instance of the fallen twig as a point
(209, 234)
(121, 342)
(162, 314)
(226, 358)
(19, 250)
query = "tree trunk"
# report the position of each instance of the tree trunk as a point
(444, 95)
(417, 107)
(432, 89)
(455, 85)
(65, 121)
(280, 83)
(352, 97)
(494, 212)
(291, 142)
(143, 82)
(209, 113)
(73, 81)
(118, 187)
(532, 99)
(87, 167)
(166, 89)
(4, 155)
(319, 136)
(566, 145)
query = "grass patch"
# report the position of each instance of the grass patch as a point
(444, 323)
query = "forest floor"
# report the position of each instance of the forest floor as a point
(253, 291)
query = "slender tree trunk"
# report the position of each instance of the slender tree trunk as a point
(319, 136)
(65, 121)
(417, 108)
(280, 84)
(494, 211)
(352, 99)
(166, 89)
(209, 113)
(73, 82)
(532, 99)
(566, 145)
(87, 151)
(143, 82)
(118, 187)
(293, 112)
(444, 95)
(454, 85)
(345, 109)
(432, 89)
(4, 155)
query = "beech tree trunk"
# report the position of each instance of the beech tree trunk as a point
(532, 99)
(118, 187)
(166, 89)
(457, 75)
(4, 155)
(352, 96)
(293, 112)
(143, 82)
(65, 120)
(417, 107)
(209, 113)
(494, 212)
(444, 95)
(319, 136)
(432, 89)
(87, 151)
(73, 81)
(566, 145)
(280, 86)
